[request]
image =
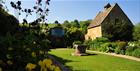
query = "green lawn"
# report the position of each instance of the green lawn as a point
(94, 62)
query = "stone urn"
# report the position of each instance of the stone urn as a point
(80, 50)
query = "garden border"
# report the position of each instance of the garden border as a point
(117, 55)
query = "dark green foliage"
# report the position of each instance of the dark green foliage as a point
(8, 23)
(119, 51)
(73, 34)
(102, 39)
(84, 25)
(121, 47)
(129, 50)
(104, 45)
(108, 47)
(88, 43)
(136, 32)
(121, 44)
(22, 48)
(77, 42)
(66, 24)
(136, 52)
(56, 22)
(118, 31)
(24, 44)
(74, 31)
(75, 23)
(97, 43)
(133, 49)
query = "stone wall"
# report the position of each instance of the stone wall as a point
(93, 33)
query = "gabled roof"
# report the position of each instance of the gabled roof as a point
(101, 16)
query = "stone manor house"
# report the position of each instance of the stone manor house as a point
(105, 20)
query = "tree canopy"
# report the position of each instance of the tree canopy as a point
(136, 32)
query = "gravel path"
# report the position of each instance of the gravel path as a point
(117, 55)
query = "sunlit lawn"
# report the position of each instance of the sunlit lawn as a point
(93, 62)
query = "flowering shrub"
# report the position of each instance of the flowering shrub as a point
(43, 65)
(133, 49)
(30, 66)
(23, 51)
(119, 47)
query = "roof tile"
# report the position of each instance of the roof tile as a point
(100, 17)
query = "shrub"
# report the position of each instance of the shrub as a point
(102, 39)
(45, 44)
(96, 44)
(73, 34)
(117, 50)
(136, 52)
(132, 48)
(129, 50)
(108, 47)
(136, 32)
(121, 47)
(18, 50)
(77, 42)
(104, 47)
(87, 43)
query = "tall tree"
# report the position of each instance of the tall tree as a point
(136, 32)
(75, 23)
(66, 24)
(56, 22)
(84, 25)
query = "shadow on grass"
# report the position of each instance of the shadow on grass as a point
(90, 54)
(87, 54)
(63, 62)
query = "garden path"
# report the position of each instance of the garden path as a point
(117, 55)
(112, 54)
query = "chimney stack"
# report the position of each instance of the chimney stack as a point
(107, 6)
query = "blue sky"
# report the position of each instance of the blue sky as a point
(62, 10)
